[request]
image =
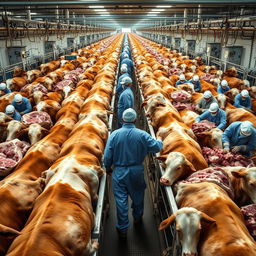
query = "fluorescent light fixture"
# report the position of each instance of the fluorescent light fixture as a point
(151, 14)
(33, 13)
(158, 10)
(105, 15)
(101, 10)
(154, 12)
(163, 6)
(96, 6)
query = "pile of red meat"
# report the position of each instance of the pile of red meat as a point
(39, 87)
(215, 175)
(11, 153)
(207, 77)
(217, 157)
(37, 117)
(174, 71)
(249, 213)
(202, 126)
(60, 85)
(182, 105)
(181, 96)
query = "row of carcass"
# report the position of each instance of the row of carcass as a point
(46, 203)
(209, 222)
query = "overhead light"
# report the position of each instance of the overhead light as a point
(154, 12)
(158, 10)
(96, 6)
(33, 13)
(163, 6)
(151, 14)
(105, 15)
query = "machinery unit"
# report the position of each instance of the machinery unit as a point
(233, 54)
(214, 50)
(191, 45)
(177, 43)
(48, 46)
(70, 42)
(15, 54)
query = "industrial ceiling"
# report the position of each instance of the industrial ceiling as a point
(123, 14)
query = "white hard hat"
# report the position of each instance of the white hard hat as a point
(126, 80)
(224, 83)
(124, 69)
(9, 109)
(195, 78)
(126, 55)
(2, 86)
(244, 93)
(182, 77)
(207, 94)
(124, 65)
(129, 115)
(246, 128)
(214, 107)
(18, 98)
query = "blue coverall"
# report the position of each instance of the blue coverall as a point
(240, 103)
(119, 88)
(197, 85)
(205, 104)
(126, 149)
(23, 108)
(181, 82)
(129, 64)
(6, 90)
(126, 100)
(222, 90)
(220, 119)
(233, 136)
(16, 115)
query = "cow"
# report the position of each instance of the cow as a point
(212, 138)
(228, 235)
(190, 223)
(16, 83)
(33, 75)
(240, 114)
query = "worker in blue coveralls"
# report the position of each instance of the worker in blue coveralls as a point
(243, 100)
(125, 51)
(126, 99)
(21, 104)
(125, 152)
(204, 104)
(215, 115)
(182, 80)
(195, 81)
(124, 73)
(10, 111)
(223, 87)
(3, 89)
(128, 62)
(240, 137)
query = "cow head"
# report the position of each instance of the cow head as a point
(36, 132)
(212, 138)
(232, 93)
(153, 102)
(189, 222)
(176, 167)
(38, 96)
(66, 90)
(13, 129)
(193, 68)
(248, 176)
(222, 100)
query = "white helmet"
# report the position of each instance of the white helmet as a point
(244, 93)
(195, 78)
(224, 83)
(214, 107)
(129, 115)
(2, 86)
(246, 128)
(9, 109)
(182, 77)
(207, 94)
(126, 56)
(124, 69)
(126, 80)
(18, 98)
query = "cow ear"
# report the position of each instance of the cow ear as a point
(167, 222)
(190, 166)
(239, 173)
(161, 158)
(8, 232)
(206, 218)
